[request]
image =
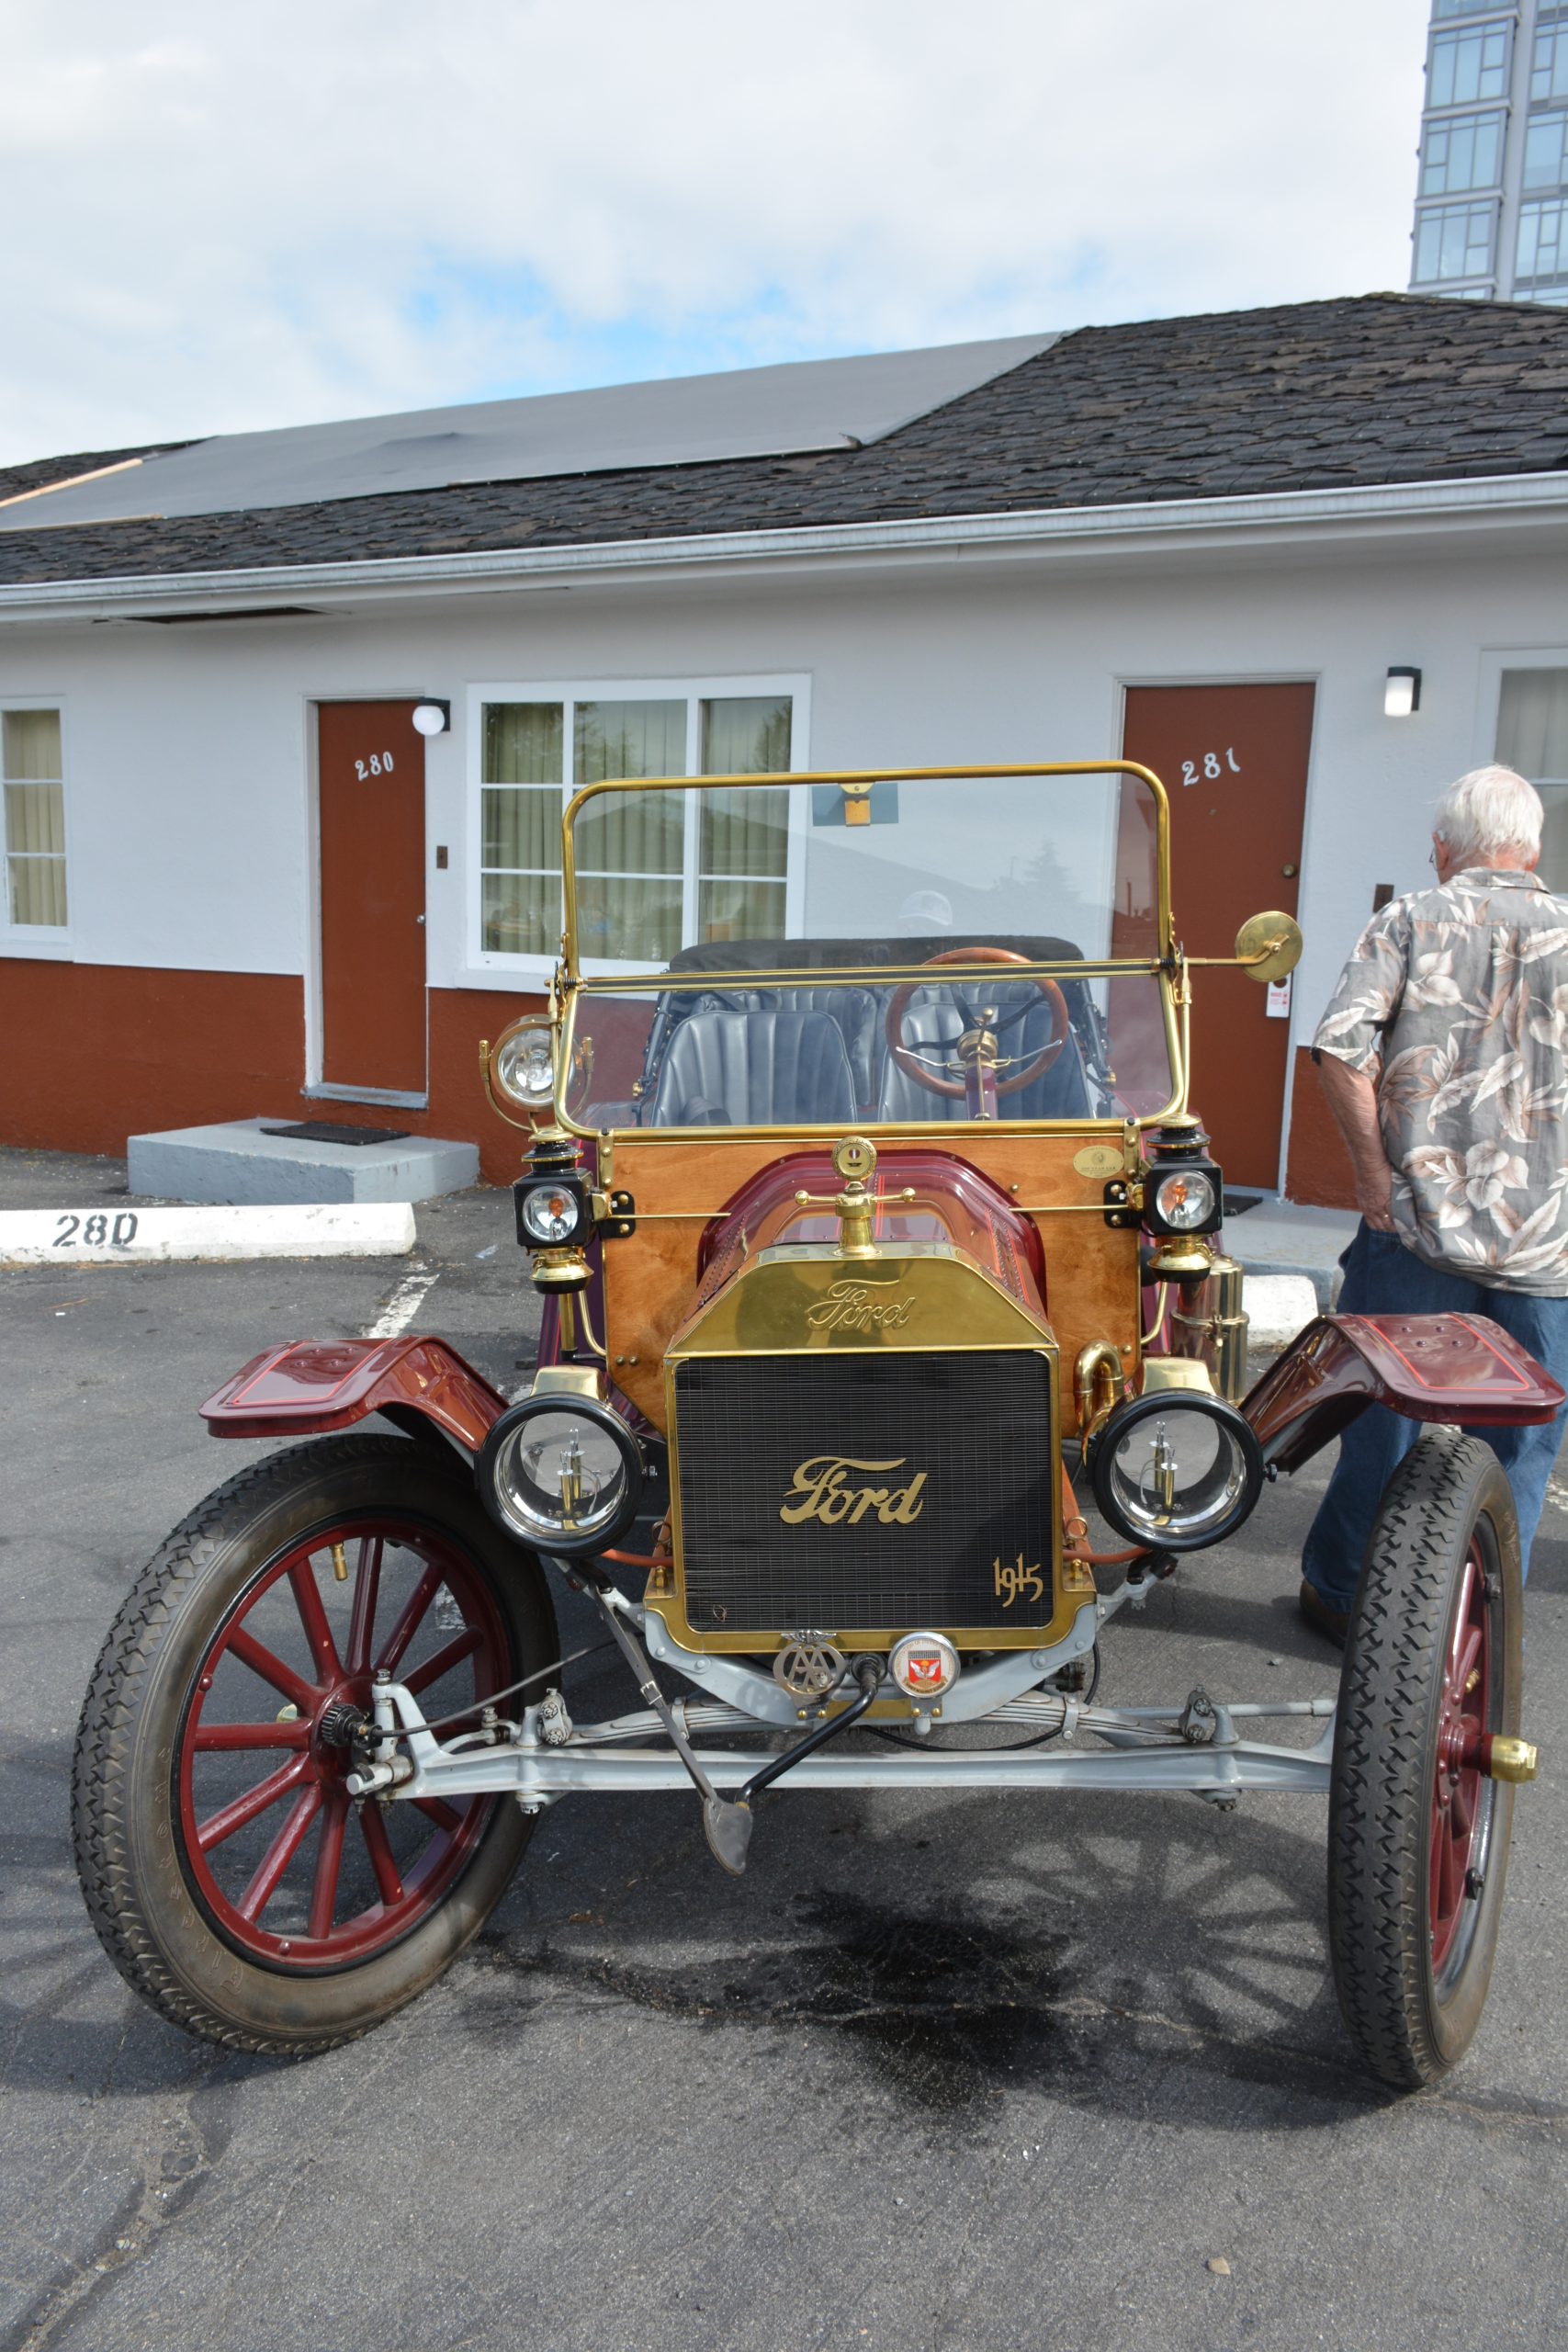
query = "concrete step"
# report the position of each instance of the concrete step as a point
(1278, 1237)
(241, 1162)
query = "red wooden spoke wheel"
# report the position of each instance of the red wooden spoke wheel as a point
(1417, 1830)
(1462, 1794)
(231, 1879)
(932, 1080)
(299, 1903)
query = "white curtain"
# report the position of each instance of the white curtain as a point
(1532, 736)
(630, 846)
(743, 853)
(520, 827)
(34, 817)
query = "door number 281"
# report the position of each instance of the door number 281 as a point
(1208, 764)
(378, 764)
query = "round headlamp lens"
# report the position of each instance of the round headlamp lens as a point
(550, 1213)
(563, 1474)
(1185, 1199)
(1177, 1472)
(524, 1066)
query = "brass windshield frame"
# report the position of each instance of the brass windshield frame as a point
(1166, 969)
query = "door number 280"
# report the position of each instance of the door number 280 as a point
(97, 1232)
(378, 764)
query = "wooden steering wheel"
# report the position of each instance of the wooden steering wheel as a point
(908, 1059)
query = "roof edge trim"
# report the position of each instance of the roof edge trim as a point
(1413, 502)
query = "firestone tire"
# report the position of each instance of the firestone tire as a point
(184, 1940)
(1419, 1841)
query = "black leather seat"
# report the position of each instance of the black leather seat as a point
(854, 1009)
(754, 1069)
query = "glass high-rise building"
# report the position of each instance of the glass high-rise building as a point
(1492, 189)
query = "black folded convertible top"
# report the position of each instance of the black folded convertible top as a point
(814, 954)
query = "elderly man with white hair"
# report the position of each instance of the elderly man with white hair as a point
(1444, 1054)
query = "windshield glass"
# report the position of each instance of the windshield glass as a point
(794, 925)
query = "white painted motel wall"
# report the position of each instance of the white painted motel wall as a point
(188, 750)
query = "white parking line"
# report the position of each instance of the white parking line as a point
(403, 1305)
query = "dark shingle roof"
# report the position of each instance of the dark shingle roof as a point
(1383, 388)
(16, 479)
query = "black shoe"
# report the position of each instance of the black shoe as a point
(1332, 1623)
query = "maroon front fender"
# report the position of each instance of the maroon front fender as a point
(1455, 1368)
(330, 1385)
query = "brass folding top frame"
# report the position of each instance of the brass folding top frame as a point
(1166, 969)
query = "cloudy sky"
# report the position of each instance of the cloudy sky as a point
(221, 216)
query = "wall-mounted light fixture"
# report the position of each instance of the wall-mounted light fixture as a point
(435, 718)
(1401, 694)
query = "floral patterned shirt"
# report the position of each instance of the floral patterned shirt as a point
(1461, 994)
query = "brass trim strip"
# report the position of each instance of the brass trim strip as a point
(805, 777)
(965, 1129)
(838, 975)
(712, 1216)
(1167, 968)
(1092, 1130)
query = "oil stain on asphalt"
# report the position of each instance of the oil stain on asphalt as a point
(942, 2009)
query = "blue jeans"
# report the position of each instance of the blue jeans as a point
(1382, 1277)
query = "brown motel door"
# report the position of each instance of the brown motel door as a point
(372, 834)
(1233, 762)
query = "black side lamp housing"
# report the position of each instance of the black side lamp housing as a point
(1183, 1190)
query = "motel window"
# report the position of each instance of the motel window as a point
(1467, 65)
(1454, 240)
(655, 872)
(1462, 153)
(35, 819)
(1532, 736)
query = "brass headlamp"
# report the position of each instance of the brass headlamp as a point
(518, 1071)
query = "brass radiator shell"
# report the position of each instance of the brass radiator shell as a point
(809, 1303)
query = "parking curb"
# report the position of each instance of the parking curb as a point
(134, 1235)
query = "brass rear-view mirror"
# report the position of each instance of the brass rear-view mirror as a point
(1267, 946)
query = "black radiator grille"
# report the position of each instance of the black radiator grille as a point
(977, 1427)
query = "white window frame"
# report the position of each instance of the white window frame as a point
(1449, 206)
(1494, 666)
(1537, 207)
(38, 939)
(1495, 660)
(568, 692)
(1444, 126)
(1446, 31)
(1544, 60)
(1538, 191)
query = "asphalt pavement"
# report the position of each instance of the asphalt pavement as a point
(944, 2074)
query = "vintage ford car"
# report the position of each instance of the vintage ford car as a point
(875, 1235)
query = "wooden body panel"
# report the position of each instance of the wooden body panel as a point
(649, 1279)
